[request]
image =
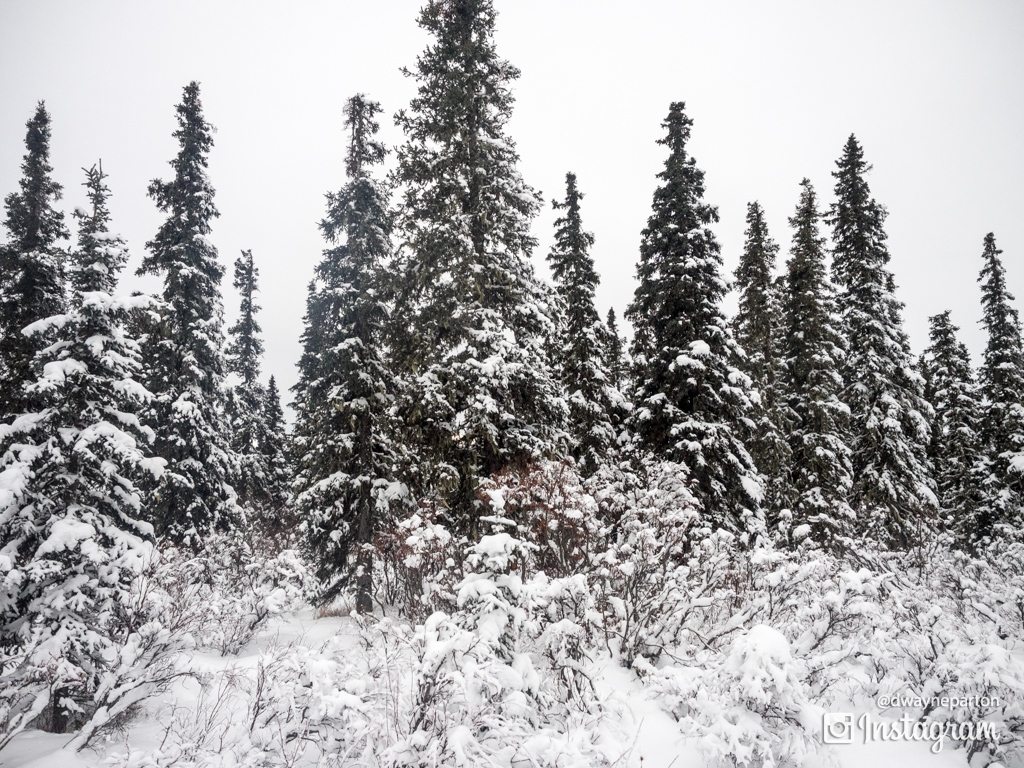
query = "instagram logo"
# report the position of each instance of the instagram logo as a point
(837, 728)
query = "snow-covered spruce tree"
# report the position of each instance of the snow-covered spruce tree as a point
(615, 360)
(184, 356)
(955, 449)
(70, 510)
(596, 407)
(247, 417)
(31, 265)
(346, 458)
(757, 331)
(692, 402)
(275, 455)
(483, 394)
(820, 474)
(892, 494)
(1002, 384)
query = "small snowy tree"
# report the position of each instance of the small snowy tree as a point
(70, 509)
(346, 457)
(692, 402)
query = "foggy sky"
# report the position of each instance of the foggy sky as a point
(933, 89)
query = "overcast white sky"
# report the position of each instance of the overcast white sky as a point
(934, 89)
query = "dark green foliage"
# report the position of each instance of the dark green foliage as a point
(819, 477)
(691, 401)
(1002, 384)
(474, 316)
(596, 407)
(893, 494)
(345, 456)
(184, 352)
(955, 447)
(31, 265)
(757, 331)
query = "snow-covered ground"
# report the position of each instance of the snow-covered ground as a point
(648, 735)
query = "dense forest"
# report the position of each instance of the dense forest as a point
(760, 518)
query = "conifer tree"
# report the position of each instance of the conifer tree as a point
(616, 362)
(756, 328)
(247, 403)
(691, 400)
(816, 420)
(955, 447)
(346, 459)
(70, 509)
(893, 493)
(1002, 384)
(274, 450)
(484, 395)
(31, 265)
(596, 406)
(184, 354)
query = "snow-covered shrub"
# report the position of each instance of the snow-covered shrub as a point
(745, 707)
(551, 509)
(482, 697)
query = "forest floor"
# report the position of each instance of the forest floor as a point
(650, 736)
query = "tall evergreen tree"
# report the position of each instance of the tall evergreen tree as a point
(616, 362)
(31, 265)
(893, 493)
(275, 455)
(756, 328)
(816, 420)
(72, 538)
(484, 395)
(346, 457)
(184, 354)
(247, 403)
(596, 406)
(691, 402)
(955, 446)
(1002, 384)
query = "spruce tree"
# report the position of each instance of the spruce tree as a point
(31, 265)
(476, 318)
(691, 401)
(184, 354)
(756, 328)
(247, 404)
(893, 493)
(616, 362)
(816, 420)
(1002, 384)
(346, 459)
(596, 406)
(70, 509)
(275, 456)
(955, 447)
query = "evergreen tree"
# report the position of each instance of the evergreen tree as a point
(616, 362)
(820, 472)
(955, 446)
(31, 265)
(247, 404)
(274, 450)
(691, 400)
(1002, 384)
(475, 315)
(69, 506)
(756, 328)
(596, 406)
(184, 354)
(893, 492)
(345, 455)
